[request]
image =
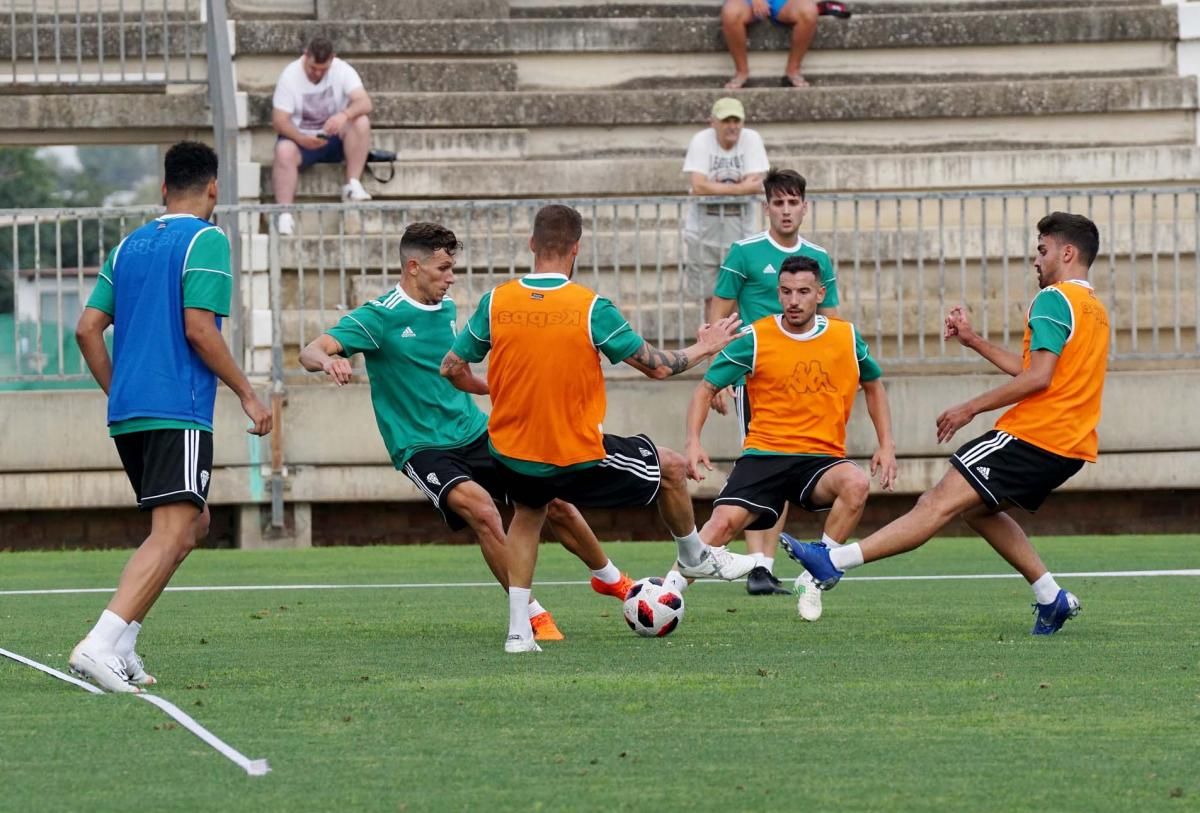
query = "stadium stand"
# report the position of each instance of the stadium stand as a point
(530, 99)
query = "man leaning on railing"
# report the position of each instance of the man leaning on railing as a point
(320, 113)
(724, 159)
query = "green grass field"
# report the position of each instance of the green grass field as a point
(907, 695)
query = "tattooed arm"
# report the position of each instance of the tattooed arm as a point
(458, 372)
(710, 340)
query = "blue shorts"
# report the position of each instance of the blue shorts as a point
(330, 153)
(776, 7)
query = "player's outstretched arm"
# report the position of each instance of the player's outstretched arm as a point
(1028, 382)
(883, 462)
(89, 335)
(458, 372)
(958, 326)
(200, 328)
(323, 354)
(710, 340)
(696, 416)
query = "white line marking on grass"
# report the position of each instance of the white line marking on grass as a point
(254, 767)
(1089, 574)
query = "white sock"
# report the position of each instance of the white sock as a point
(535, 608)
(845, 557)
(830, 542)
(1045, 589)
(518, 612)
(609, 574)
(675, 581)
(759, 559)
(689, 548)
(128, 641)
(108, 629)
(767, 561)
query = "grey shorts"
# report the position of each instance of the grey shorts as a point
(707, 248)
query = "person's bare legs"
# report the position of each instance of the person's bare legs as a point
(845, 488)
(356, 143)
(763, 543)
(725, 523)
(802, 16)
(199, 531)
(573, 533)
(674, 500)
(172, 537)
(523, 534)
(735, 17)
(950, 497)
(285, 170)
(472, 502)
(1008, 539)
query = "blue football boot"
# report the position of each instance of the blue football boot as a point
(814, 557)
(1051, 617)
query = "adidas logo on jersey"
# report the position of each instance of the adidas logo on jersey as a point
(984, 470)
(432, 479)
(408, 333)
(770, 269)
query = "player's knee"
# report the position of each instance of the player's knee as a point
(560, 512)
(673, 467)
(929, 504)
(473, 505)
(201, 525)
(856, 489)
(720, 528)
(362, 124)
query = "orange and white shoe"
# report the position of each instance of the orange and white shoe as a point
(544, 628)
(618, 589)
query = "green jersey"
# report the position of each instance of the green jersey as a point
(404, 342)
(750, 275)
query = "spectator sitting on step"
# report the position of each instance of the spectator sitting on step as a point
(320, 113)
(725, 159)
(738, 15)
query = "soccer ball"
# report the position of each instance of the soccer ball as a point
(652, 610)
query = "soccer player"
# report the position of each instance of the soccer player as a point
(802, 371)
(1037, 445)
(748, 281)
(433, 432)
(164, 289)
(546, 334)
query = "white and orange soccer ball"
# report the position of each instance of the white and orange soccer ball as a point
(652, 610)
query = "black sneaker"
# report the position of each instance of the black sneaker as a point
(761, 582)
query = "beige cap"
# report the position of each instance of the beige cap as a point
(726, 107)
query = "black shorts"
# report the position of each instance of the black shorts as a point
(167, 465)
(628, 476)
(436, 471)
(741, 407)
(764, 484)
(1003, 469)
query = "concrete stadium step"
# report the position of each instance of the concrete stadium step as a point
(411, 9)
(627, 108)
(506, 144)
(855, 173)
(259, 73)
(699, 34)
(583, 9)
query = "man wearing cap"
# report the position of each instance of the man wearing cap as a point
(724, 159)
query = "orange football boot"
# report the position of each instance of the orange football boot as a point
(618, 589)
(544, 628)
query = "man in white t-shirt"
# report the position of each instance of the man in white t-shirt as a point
(725, 159)
(320, 113)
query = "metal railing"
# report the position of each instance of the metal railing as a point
(100, 42)
(901, 261)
